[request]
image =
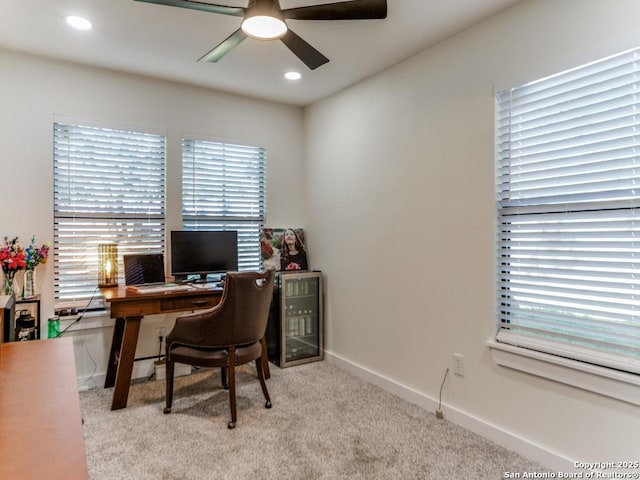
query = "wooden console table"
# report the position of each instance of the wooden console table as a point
(128, 308)
(40, 421)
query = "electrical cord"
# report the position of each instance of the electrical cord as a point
(95, 366)
(80, 315)
(441, 386)
(160, 338)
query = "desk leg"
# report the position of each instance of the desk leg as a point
(116, 345)
(125, 362)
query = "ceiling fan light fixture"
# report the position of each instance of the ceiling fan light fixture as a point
(264, 27)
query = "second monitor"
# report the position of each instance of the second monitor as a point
(198, 253)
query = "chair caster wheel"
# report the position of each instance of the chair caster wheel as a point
(268, 404)
(167, 410)
(231, 425)
(225, 386)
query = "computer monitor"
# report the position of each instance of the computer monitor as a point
(142, 268)
(198, 253)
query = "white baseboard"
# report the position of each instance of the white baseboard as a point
(466, 420)
(141, 369)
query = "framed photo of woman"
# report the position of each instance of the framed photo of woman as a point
(284, 249)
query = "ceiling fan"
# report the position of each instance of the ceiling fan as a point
(265, 20)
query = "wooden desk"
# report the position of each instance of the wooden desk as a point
(40, 422)
(128, 308)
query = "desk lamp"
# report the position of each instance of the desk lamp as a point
(107, 265)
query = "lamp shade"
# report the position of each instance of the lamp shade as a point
(107, 265)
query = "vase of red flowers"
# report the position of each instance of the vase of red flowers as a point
(12, 259)
(8, 284)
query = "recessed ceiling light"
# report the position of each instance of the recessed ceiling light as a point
(79, 22)
(292, 76)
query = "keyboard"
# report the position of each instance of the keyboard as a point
(207, 286)
(158, 288)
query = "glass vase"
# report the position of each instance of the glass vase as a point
(29, 289)
(8, 286)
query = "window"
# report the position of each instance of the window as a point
(223, 188)
(568, 239)
(109, 186)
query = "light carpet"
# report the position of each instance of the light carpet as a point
(325, 424)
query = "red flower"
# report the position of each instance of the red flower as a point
(12, 256)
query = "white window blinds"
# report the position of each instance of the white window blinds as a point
(109, 186)
(568, 203)
(223, 188)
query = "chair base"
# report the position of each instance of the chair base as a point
(228, 360)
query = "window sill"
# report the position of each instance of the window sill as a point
(90, 320)
(605, 381)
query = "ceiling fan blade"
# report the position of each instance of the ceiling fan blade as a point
(311, 57)
(205, 7)
(224, 47)
(355, 10)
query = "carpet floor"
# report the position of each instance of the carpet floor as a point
(325, 424)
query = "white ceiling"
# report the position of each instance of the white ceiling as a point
(165, 42)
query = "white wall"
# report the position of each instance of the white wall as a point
(34, 90)
(400, 185)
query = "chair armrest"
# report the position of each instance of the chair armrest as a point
(189, 329)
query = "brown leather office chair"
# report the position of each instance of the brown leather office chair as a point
(228, 335)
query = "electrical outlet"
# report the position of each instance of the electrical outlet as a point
(458, 364)
(160, 331)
